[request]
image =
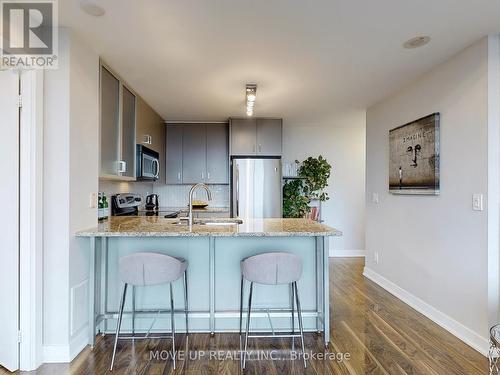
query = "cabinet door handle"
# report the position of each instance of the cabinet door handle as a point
(179, 176)
(208, 175)
(157, 163)
(147, 139)
(202, 175)
(122, 166)
(260, 148)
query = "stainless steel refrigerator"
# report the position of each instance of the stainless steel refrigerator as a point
(256, 188)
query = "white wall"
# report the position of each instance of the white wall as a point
(55, 202)
(71, 129)
(341, 140)
(83, 177)
(433, 250)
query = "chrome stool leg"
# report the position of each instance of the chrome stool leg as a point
(293, 316)
(186, 307)
(133, 311)
(248, 324)
(118, 325)
(299, 311)
(241, 319)
(172, 323)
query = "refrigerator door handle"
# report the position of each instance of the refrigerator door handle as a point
(237, 191)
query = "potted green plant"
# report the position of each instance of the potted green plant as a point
(312, 179)
(316, 172)
(295, 203)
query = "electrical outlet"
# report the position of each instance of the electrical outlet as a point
(93, 200)
(375, 199)
(477, 202)
(375, 257)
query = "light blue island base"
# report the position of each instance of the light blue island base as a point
(213, 285)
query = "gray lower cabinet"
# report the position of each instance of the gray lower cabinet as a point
(194, 153)
(269, 137)
(256, 136)
(243, 133)
(173, 162)
(217, 154)
(197, 153)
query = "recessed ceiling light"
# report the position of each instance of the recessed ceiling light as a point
(91, 8)
(416, 42)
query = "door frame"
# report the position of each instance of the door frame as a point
(31, 221)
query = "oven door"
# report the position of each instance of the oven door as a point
(150, 166)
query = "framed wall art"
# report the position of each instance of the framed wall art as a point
(414, 157)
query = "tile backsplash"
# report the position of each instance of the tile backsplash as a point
(168, 195)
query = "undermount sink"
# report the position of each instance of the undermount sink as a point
(212, 222)
(225, 223)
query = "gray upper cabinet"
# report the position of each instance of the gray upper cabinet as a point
(251, 136)
(110, 123)
(128, 132)
(217, 154)
(197, 153)
(194, 153)
(243, 136)
(269, 137)
(117, 122)
(173, 167)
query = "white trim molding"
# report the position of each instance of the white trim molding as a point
(31, 223)
(457, 329)
(335, 253)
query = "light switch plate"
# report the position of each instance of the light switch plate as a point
(477, 202)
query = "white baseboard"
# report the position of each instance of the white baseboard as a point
(79, 342)
(66, 353)
(56, 354)
(457, 329)
(334, 253)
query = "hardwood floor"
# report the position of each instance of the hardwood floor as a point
(381, 334)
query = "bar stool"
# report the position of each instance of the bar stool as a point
(146, 269)
(276, 268)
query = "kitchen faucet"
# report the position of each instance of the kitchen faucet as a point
(189, 218)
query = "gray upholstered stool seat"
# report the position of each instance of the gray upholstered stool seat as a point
(272, 268)
(145, 269)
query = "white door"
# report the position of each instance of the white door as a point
(9, 220)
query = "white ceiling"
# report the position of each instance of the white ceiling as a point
(190, 59)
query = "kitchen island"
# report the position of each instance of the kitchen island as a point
(214, 249)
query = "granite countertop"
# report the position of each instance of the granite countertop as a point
(154, 226)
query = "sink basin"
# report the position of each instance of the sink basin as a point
(211, 222)
(220, 222)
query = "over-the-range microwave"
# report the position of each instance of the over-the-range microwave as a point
(147, 164)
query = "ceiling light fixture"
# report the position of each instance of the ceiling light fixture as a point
(92, 8)
(251, 95)
(416, 42)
